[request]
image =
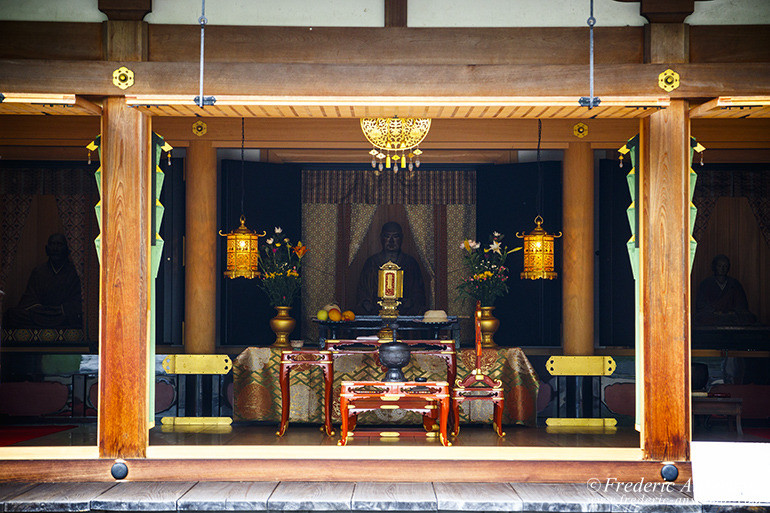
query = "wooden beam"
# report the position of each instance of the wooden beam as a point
(124, 282)
(667, 42)
(391, 45)
(134, 10)
(395, 13)
(665, 271)
(666, 11)
(473, 46)
(340, 136)
(174, 469)
(50, 40)
(729, 43)
(95, 78)
(125, 40)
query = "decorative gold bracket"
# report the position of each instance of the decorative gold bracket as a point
(581, 365)
(200, 128)
(123, 77)
(197, 364)
(580, 130)
(668, 80)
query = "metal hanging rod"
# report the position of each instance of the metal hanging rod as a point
(590, 101)
(201, 100)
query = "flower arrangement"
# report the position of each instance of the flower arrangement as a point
(279, 266)
(486, 273)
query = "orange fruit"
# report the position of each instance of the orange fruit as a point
(335, 315)
(348, 315)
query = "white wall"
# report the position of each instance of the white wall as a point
(371, 13)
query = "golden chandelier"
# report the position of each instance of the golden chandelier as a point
(395, 141)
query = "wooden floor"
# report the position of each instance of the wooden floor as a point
(303, 434)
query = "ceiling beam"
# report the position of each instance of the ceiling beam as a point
(95, 78)
(335, 134)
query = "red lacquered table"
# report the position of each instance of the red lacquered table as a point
(306, 357)
(429, 398)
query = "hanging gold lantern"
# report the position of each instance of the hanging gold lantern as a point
(242, 252)
(538, 253)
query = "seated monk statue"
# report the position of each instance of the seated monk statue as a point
(52, 298)
(413, 302)
(721, 300)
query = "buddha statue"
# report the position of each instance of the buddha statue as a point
(413, 301)
(52, 298)
(720, 299)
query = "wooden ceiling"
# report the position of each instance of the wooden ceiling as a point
(733, 107)
(48, 105)
(429, 107)
(345, 107)
(725, 107)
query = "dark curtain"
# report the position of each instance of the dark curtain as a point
(510, 197)
(169, 285)
(615, 280)
(271, 197)
(732, 180)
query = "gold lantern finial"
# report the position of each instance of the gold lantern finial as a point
(538, 253)
(242, 252)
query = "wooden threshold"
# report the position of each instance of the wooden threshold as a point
(237, 463)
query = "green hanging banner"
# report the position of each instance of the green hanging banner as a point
(632, 149)
(156, 246)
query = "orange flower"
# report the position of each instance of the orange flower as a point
(300, 250)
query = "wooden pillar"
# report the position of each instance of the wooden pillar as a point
(578, 243)
(200, 283)
(395, 13)
(665, 272)
(124, 280)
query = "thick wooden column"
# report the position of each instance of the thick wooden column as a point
(578, 241)
(200, 280)
(665, 273)
(124, 281)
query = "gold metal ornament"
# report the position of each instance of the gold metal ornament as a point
(668, 80)
(580, 365)
(123, 77)
(395, 141)
(200, 128)
(538, 253)
(580, 130)
(197, 364)
(242, 252)
(390, 288)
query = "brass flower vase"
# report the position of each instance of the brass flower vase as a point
(282, 324)
(489, 325)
